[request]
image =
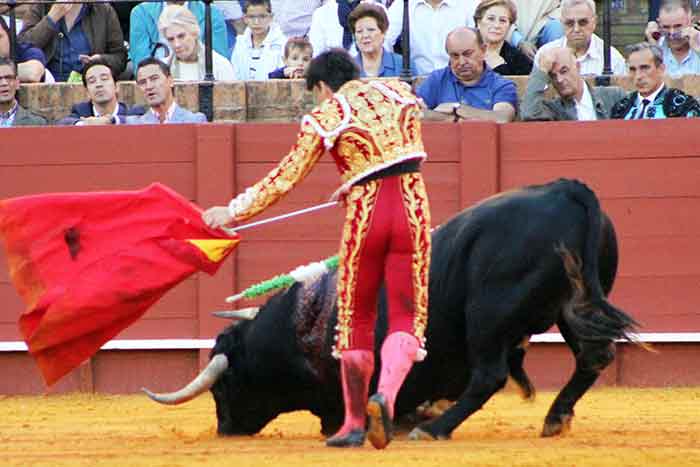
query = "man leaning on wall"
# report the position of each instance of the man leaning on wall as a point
(576, 100)
(467, 89)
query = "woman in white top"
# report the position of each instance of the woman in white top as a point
(180, 28)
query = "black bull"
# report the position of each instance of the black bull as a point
(509, 267)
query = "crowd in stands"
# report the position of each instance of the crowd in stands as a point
(464, 50)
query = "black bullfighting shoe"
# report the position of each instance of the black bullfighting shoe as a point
(380, 430)
(354, 439)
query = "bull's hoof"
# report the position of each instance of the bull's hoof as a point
(380, 428)
(557, 427)
(422, 434)
(419, 435)
(353, 439)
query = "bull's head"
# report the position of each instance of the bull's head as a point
(277, 362)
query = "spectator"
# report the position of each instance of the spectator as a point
(145, 40)
(101, 86)
(11, 113)
(579, 20)
(4, 13)
(430, 22)
(154, 80)
(232, 12)
(468, 88)
(652, 98)
(679, 40)
(294, 16)
(654, 6)
(180, 28)
(369, 23)
(297, 56)
(30, 60)
(330, 28)
(259, 49)
(71, 35)
(494, 18)
(537, 24)
(577, 100)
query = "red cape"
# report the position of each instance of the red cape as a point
(90, 264)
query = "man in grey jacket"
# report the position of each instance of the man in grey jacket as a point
(11, 113)
(577, 100)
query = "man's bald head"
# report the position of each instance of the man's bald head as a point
(564, 71)
(466, 51)
(461, 34)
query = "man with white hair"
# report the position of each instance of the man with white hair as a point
(180, 28)
(579, 20)
(576, 101)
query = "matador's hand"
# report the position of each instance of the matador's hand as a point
(217, 216)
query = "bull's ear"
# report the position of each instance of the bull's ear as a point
(245, 313)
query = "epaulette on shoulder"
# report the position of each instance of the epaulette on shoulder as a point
(679, 104)
(396, 90)
(330, 118)
(621, 107)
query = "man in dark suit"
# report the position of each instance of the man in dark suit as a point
(101, 86)
(11, 113)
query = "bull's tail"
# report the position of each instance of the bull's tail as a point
(593, 318)
(584, 196)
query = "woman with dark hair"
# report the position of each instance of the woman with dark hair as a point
(494, 18)
(368, 23)
(372, 130)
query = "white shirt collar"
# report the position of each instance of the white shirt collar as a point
(114, 114)
(591, 52)
(585, 109)
(168, 114)
(444, 2)
(651, 97)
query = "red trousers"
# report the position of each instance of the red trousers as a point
(386, 238)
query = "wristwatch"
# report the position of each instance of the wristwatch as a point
(455, 108)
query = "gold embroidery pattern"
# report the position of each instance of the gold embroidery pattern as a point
(360, 204)
(380, 129)
(291, 170)
(417, 209)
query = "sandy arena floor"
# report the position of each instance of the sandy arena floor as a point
(613, 427)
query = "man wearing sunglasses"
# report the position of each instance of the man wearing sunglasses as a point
(678, 39)
(579, 20)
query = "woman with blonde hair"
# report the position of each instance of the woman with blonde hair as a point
(494, 19)
(180, 28)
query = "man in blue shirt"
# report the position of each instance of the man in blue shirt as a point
(467, 88)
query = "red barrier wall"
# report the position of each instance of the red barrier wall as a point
(651, 191)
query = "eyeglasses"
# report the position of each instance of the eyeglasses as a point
(582, 23)
(257, 18)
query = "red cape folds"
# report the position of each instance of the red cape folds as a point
(90, 264)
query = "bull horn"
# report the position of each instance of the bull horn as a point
(245, 313)
(201, 383)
